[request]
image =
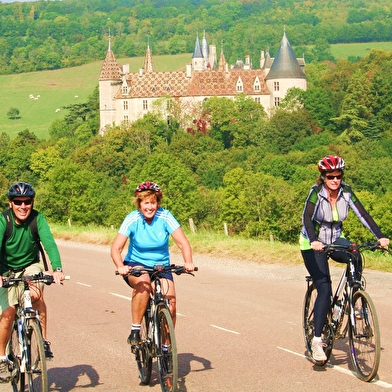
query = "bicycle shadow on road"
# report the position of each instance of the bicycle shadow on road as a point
(67, 378)
(187, 363)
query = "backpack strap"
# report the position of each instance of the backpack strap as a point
(33, 228)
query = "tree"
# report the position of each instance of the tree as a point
(13, 113)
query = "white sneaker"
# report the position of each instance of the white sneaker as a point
(318, 353)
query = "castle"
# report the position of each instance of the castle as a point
(126, 96)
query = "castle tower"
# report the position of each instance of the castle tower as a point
(205, 51)
(197, 58)
(222, 60)
(148, 63)
(285, 73)
(109, 82)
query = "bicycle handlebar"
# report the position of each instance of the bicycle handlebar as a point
(352, 248)
(159, 269)
(40, 277)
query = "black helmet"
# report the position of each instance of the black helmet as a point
(20, 189)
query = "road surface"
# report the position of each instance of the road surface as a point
(238, 329)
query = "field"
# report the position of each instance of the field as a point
(57, 89)
(72, 85)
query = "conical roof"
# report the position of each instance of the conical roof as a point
(111, 69)
(285, 65)
(198, 52)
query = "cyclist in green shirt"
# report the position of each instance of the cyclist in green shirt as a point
(20, 255)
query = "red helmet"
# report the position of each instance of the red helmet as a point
(148, 186)
(331, 163)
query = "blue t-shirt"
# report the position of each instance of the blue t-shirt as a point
(149, 244)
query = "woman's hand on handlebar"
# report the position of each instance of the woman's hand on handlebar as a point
(189, 267)
(124, 270)
(384, 242)
(317, 245)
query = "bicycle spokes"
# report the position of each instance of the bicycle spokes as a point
(364, 337)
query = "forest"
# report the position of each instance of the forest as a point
(46, 35)
(236, 165)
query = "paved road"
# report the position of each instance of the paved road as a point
(238, 329)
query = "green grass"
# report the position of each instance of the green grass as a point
(220, 246)
(57, 89)
(344, 51)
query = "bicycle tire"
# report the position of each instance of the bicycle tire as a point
(37, 375)
(308, 327)
(143, 354)
(17, 378)
(364, 337)
(167, 352)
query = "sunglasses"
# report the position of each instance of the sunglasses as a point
(330, 177)
(20, 202)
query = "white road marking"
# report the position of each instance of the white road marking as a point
(121, 296)
(84, 284)
(224, 329)
(340, 369)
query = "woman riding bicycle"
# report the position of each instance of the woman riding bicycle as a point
(148, 229)
(326, 207)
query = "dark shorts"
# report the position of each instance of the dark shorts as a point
(165, 275)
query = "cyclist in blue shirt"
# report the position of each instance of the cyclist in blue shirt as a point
(148, 229)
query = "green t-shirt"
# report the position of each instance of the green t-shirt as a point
(21, 250)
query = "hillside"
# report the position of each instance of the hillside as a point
(39, 35)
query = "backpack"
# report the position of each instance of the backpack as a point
(33, 228)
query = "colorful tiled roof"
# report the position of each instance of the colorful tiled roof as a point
(201, 83)
(110, 68)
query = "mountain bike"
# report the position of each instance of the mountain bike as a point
(26, 348)
(351, 311)
(157, 332)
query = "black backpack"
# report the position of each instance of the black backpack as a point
(33, 228)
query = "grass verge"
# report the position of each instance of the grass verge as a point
(221, 246)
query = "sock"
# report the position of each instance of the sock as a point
(135, 327)
(317, 338)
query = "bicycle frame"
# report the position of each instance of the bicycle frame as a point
(157, 332)
(362, 326)
(23, 315)
(155, 302)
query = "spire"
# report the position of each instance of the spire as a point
(148, 63)
(222, 60)
(197, 52)
(285, 65)
(110, 67)
(205, 50)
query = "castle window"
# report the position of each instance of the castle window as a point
(145, 104)
(276, 86)
(169, 104)
(239, 86)
(256, 85)
(125, 105)
(257, 99)
(277, 101)
(125, 90)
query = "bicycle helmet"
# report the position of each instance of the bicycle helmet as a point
(331, 163)
(20, 189)
(148, 186)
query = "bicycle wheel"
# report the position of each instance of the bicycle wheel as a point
(37, 376)
(143, 354)
(308, 325)
(167, 352)
(364, 337)
(17, 378)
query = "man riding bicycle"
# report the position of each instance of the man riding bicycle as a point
(20, 256)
